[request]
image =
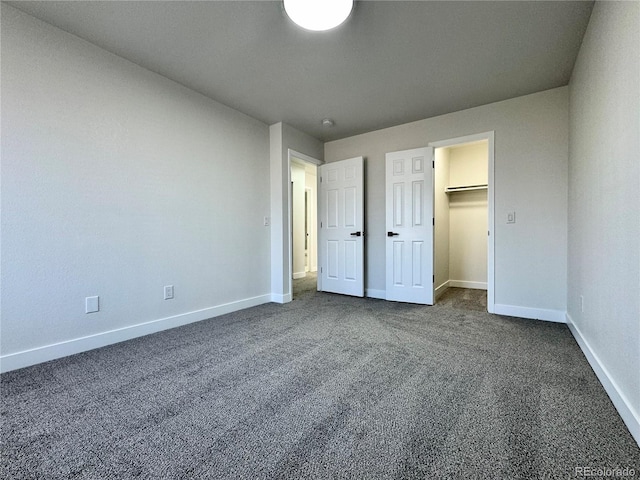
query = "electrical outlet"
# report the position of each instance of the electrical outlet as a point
(92, 304)
(267, 221)
(168, 292)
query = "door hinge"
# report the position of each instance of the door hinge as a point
(320, 224)
(433, 164)
(433, 222)
(434, 279)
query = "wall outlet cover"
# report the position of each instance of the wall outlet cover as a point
(92, 304)
(168, 292)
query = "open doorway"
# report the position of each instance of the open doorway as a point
(303, 221)
(463, 212)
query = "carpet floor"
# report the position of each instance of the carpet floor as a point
(326, 386)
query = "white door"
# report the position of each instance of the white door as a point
(409, 211)
(341, 210)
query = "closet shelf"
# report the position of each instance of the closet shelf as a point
(465, 188)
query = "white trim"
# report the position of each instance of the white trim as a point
(468, 284)
(37, 355)
(629, 415)
(491, 240)
(312, 225)
(298, 275)
(379, 294)
(440, 290)
(277, 298)
(490, 138)
(531, 313)
(305, 158)
(288, 238)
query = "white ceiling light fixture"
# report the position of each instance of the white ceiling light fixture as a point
(318, 15)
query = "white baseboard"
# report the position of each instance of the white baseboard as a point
(532, 313)
(298, 275)
(629, 415)
(371, 293)
(34, 356)
(441, 289)
(279, 298)
(467, 284)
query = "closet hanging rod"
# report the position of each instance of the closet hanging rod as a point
(465, 188)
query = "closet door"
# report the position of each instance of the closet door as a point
(409, 221)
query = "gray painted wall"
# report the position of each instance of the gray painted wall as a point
(117, 182)
(604, 200)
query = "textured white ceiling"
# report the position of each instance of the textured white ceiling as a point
(390, 63)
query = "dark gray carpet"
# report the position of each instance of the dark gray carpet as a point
(324, 387)
(306, 285)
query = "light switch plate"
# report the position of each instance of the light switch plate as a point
(511, 217)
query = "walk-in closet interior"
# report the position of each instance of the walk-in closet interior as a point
(460, 202)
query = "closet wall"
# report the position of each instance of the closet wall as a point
(441, 215)
(461, 217)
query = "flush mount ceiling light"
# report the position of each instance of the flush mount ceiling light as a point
(327, 122)
(318, 15)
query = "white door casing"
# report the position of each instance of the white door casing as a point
(341, 222)
(409, 221)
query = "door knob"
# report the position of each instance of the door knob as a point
(356, 234)
(392, 234)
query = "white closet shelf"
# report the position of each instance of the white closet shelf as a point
(465, 188)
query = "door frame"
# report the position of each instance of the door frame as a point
(314, 161)
(490, 138)
(311, 214)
